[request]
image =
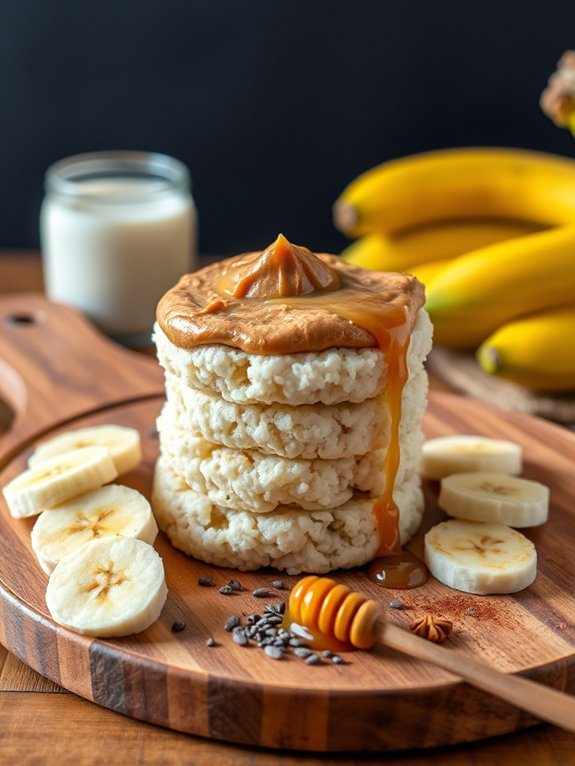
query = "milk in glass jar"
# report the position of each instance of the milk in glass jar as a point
(117, 230)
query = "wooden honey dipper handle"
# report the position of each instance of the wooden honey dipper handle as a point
(333, 610)
(546, 703)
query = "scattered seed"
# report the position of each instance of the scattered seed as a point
(240, 638)
(235, 585)
(270, 632)
(278, 584)
(337, 660)
(177, 627)
(261, 593)
(210, 642)
(275, 608)
(232, 622)
(470, 612)
(303, 652)
(274, 619)
(295, 642)
(395, 603)
(225, 590)
(206, 582)
(253, 618)
(313, 659)
(326, 653)
(274, 652)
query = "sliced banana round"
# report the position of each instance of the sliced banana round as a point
(495, 497)
(114, 586)
(104, 512)
(482, 558)
(59, 479)
(464, 454)
(124, 444)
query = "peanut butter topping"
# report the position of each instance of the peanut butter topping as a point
(204, 306)
(283, 270)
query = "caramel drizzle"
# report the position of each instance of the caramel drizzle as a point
(390, 326)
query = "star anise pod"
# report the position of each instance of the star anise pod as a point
(432, 628)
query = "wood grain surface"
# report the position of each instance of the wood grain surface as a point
(378, 700)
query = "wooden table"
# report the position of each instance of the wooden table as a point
(41, 723)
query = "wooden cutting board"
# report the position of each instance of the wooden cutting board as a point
(57, 373)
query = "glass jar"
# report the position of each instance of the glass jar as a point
(117, 229)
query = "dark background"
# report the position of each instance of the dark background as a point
(274, 105)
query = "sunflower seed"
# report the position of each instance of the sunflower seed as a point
(337, 660)
(395, 603)
(253, 618)
(275, 608)
(274, 652)
(240, 638)
(235, 585)
(326, 653)
(206, 582)
(303, 652)
(232, 622)
(210, 642)
(261, 593)
(278, 584)
(225, 590)
(295, 642)
(313, 659)
(177, 627)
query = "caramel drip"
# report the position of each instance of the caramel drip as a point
(283, 270)
(390, 326)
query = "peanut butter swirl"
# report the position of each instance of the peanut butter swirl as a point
(283, 270)
(287, 300)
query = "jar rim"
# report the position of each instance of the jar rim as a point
(67, 176)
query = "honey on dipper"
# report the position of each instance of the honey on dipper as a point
(306, 365)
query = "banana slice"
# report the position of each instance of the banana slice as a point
(124, 445)
(59, 479)
(481, 558)
(464, 454)
(114, 586)
(495, 497)
(104, 512)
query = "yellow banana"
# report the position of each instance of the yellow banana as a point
(438, 241)
(426, 272)
(537, 352)
(480, 291)
(459, 183)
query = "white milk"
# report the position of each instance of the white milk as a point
(112, 246)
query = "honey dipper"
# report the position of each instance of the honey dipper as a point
(334, 611)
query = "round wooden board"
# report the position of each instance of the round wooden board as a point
(378, 700)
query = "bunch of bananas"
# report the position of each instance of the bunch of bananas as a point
(491, 233)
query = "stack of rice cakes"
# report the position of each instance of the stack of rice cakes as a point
(275, 459)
